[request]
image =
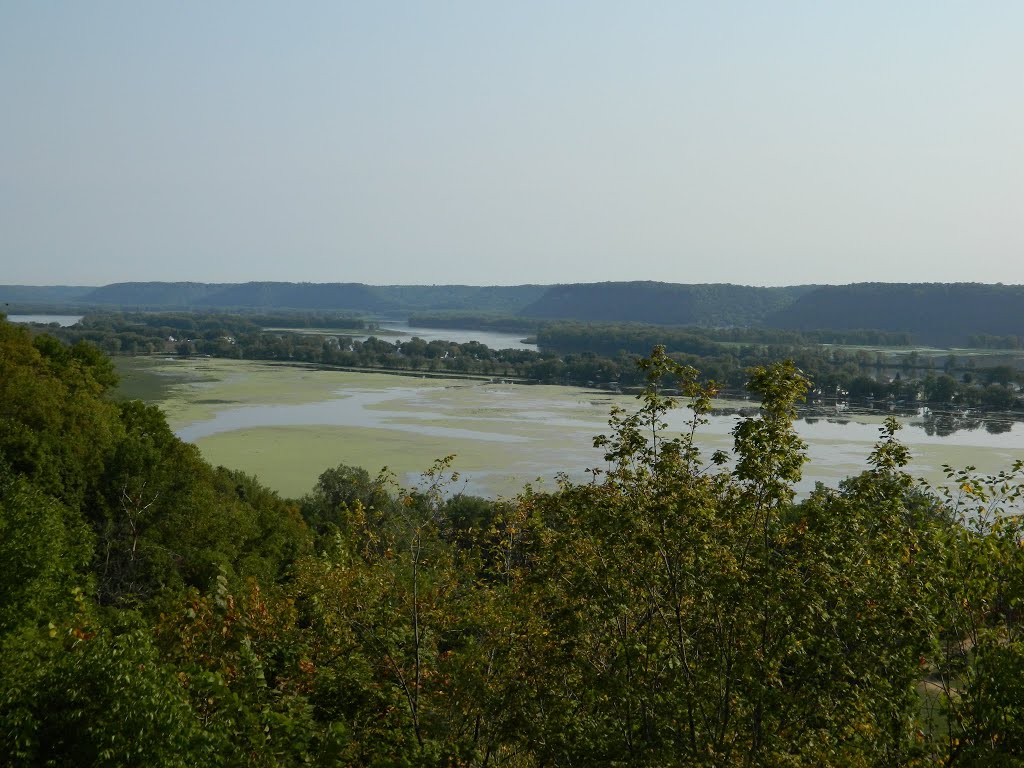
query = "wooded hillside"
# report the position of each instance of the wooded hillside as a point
(663, 303)
(935, 313)
(677, 610)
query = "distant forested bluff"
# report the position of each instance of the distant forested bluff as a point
(946, 314)
(675, 609)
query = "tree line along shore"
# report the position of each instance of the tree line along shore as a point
(859, 366)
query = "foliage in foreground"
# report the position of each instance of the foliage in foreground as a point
(675, 610)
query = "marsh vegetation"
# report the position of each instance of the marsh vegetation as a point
(287, 423)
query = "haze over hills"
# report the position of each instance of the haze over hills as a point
(320, 296)
(43, 294)
(713, 304)
(934, 313)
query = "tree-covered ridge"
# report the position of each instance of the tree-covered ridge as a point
(948, 314)
(42, 294)
(258, 295)
(311, 296)
(463, 298)
(677, 609)
(935, 313)
(179, 294)
(714, 305)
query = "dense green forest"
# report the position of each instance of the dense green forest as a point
(712, 305)
(936, 313)
(676, 609)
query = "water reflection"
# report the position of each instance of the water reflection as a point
(946, 424)
(533, 431)
(933, 423)
(400, 330)
(998, 426)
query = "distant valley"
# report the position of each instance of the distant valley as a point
(943, 314)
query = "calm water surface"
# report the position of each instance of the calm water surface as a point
(552, 428)
(400, 330)
(353, 409)
(62, 320)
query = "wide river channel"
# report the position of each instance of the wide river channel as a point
(287, 424)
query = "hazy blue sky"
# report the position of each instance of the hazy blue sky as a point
(483, 142)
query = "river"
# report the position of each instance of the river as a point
(400, 330)
(61, 320)
(287, 424)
